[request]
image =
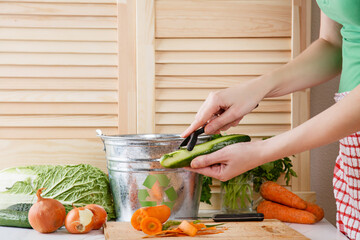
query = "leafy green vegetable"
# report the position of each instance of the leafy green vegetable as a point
(206, 190)
(70, 184)
(237, 192)
(271, 172)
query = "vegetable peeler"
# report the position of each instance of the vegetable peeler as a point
(191, 140)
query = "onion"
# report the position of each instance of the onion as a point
(79, 220)
(100, 215)
(46, 215)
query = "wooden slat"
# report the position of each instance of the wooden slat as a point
(199, 81)
(58, 96)
(251, 118)
(31, 133)
(127, 67)
(223, 18)
(252, 130)
(193, 94)
(194, 106)
(58, 84)
(71, 108)
(58, 71)
(57, 47)
(214, 69)
(58, 121)
(58, 59)
(229, 44)
(145, 63)
(300, 113)
(301, 100)
(223, 57)
(57, 21)
(59, 8)
(67, 151)
(57, 34)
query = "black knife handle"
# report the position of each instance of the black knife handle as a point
(238, 217)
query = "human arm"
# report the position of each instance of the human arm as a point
(317, 64)
(320, 130)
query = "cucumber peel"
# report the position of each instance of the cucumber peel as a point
(183, 157)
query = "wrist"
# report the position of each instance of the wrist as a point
(264, 152)
(263, 85)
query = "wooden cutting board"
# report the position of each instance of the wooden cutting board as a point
(267, 229)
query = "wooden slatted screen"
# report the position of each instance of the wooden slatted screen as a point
(68, 67)
(58, 80)
(203, 46)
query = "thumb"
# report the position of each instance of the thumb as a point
(209, 159)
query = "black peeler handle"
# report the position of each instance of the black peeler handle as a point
(194, 137)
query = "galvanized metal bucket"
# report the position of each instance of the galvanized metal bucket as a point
(137, 179)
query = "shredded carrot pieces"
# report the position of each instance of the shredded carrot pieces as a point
(198, 225)
(201, 229)
(210, 228)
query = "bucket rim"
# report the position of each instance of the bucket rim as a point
(147, 137)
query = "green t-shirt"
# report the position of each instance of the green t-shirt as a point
(347, 13)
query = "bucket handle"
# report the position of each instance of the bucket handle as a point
(100, 134)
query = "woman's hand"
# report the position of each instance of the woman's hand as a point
(225, 108)
(230, 161)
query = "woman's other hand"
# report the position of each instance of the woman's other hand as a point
(230, 161)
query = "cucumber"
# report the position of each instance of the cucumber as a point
(183, 157)
(13, 218)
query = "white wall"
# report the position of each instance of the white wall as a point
(323, 158)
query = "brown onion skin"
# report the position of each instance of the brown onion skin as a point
(72, 222)
(100, 215)
(46, 215)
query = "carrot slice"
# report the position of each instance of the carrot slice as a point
(187, 228)
(161, 212)
(151, 225)
(137, 217)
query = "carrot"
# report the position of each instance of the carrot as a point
(137, 217)
(276, 193)
(161, 212)
(284, 213)
(316, 210)
(187, 228)
(151, 225)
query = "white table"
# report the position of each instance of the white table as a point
(319, 231)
